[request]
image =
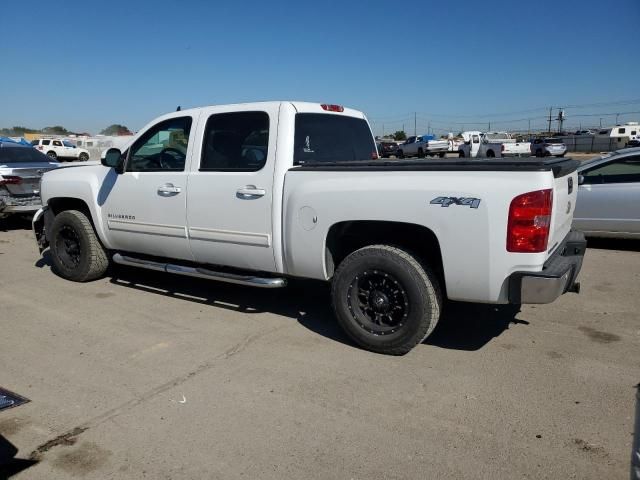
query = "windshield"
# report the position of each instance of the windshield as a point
(322, 137)
(68, 144)
(22, 155)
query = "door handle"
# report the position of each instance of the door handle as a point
(168, 190)
(250, 191)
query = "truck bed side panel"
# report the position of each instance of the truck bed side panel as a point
(472, 240)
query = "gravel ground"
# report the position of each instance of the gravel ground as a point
(144, 375)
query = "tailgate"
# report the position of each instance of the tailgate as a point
(565, 191)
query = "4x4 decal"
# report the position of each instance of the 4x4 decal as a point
(464, 201)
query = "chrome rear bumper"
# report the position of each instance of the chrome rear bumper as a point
(558, 276)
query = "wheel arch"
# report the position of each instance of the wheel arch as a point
(343, 238)
(60, 204)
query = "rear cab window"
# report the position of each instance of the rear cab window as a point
(330, 138)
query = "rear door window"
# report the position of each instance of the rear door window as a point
(46, 142)
(236, 141)
(326, 138)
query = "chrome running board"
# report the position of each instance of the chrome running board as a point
(250, 280)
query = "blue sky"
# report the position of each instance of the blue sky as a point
(86, 65)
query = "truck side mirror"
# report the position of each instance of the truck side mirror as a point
(580, 179)
(113, 159)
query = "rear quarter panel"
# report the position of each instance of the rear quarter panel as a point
(472, 240)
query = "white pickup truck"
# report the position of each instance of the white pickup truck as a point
(257, 193)
(492, 144)
(422, 146)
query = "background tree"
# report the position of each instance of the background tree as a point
(116, 129)
(56, 130)
(400, 135)
(16, 131)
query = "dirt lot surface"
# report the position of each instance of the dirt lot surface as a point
(144, 375)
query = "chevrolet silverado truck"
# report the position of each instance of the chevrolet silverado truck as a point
(258, 193)
(422, 146)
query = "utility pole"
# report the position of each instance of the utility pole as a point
(617, 114)
(383, 130)
(415, 123)
(529, 126)
(429, 128)
(600, 122)
(549, 128)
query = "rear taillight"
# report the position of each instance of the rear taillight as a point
(529, 222)
(332, 108)
(10, 180)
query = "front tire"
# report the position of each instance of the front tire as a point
(385, 300)
(76, 251)
(420, 153)
(400, 154)
(441, 154)
(491, 154)
(83, 157)
(52, 155)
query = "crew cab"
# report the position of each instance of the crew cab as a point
(422, 146)
(259, 193)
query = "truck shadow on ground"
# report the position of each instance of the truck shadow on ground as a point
(462, 326)
(623, 244)
(9, 465)
(15, 222)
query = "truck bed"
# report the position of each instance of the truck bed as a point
(559, 166)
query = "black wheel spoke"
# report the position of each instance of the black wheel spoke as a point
(378, 302)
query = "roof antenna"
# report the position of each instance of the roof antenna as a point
(178, 109)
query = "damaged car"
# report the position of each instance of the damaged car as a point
(21, 169)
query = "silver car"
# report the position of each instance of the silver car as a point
(608, 203)
(21, 168)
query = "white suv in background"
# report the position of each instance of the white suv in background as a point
(60, 149)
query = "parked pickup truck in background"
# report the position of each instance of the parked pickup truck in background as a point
(510, 146)
(422, 146)
(493, 144)
(258, 193)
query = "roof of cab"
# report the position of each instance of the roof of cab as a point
(301, 107)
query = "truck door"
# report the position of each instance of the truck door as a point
(609, 196)
(230, 189)
(144, 208)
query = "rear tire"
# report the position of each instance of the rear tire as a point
(76, 251)
(52, 155)
(539, 153)
(400, 154)
(491, 154)
(441, 154)
(385, 300)
(460, 154)
(420, 153)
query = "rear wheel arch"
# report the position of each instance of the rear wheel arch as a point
(344, 238)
